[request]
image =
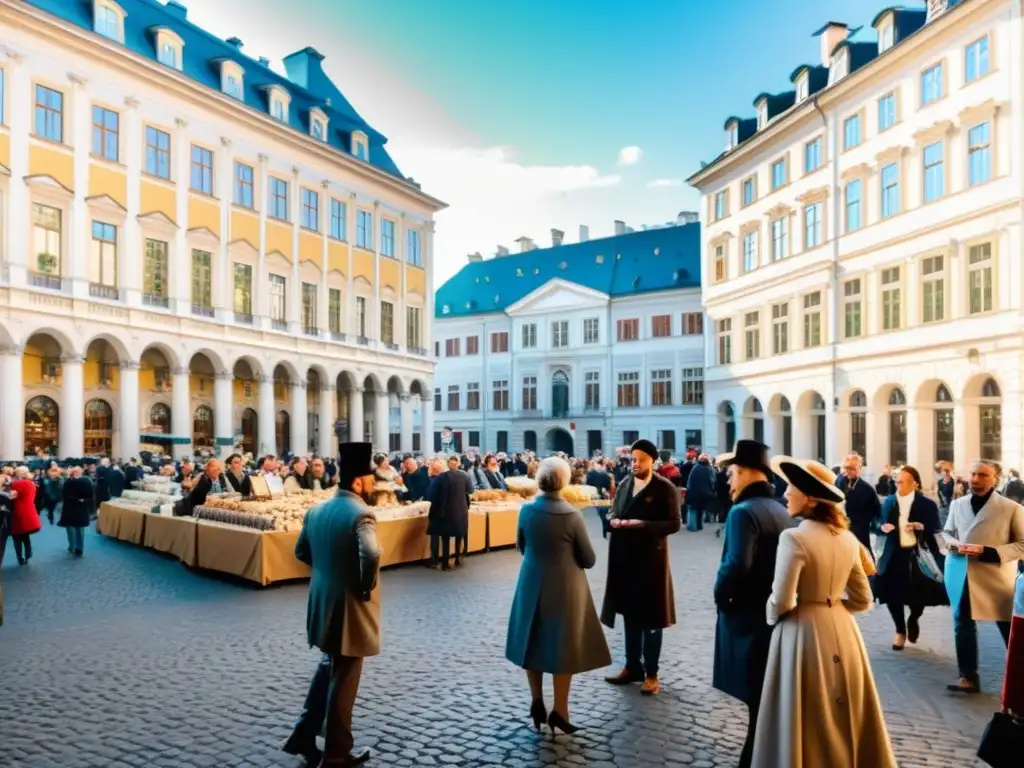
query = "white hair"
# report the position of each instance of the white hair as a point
(22, 472)
(553, 474)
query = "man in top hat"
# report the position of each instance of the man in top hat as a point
(745, 575)
(339, 542)
(645, 511)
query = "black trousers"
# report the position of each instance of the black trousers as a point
(22, 546)
(314, 710)
(896, 611)
(341, 700)
(747, 755)
(441, 546)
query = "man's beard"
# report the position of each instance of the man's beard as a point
(641, 475)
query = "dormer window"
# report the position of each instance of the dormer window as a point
(360, 145)
(802, 88)
(169, 48)
(108, 19)
(732, 136)
(279, 102)
(762, 115)
(886, 37)
(232, 79)
(839, 67)
(318, 124)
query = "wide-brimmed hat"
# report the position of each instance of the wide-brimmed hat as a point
(813, 479)
(748, 453)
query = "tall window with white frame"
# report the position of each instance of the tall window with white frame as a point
(202, 283)
(361, 321)
(661, 386)
(852, 309)
(278, 302)
(158, 153)
(453, 397)
(751, 335)
(244, 186)
(721, 207)
(49, 114)
(692, 323)
(812, 155)
(592, 390)
(559, 334)
(339, 215)
(749, 191)
(778, 173)
(243, 293)
(886, 112)
(413, 328)
(105, 132)
(851, 132)
(980, 297)
(720, 265)
(47, 234)
(107, 22)
(387, 322)
(437, 398)
(723, 333)
(591, 330)
(334, 311)
(413, 254)
(278, 198)
(812, 225)
(499, 394)
(529, 336)
(529, 393)
(780, 238)
(750, 251)
(933, 289)
(364, 230)
(892, 299)
(473, 396)
(934, 171)
(979, 154)
(154, 274)
(780, 328)
(890, 180)
(103, 260)
(201, 170)
(309, 213)
(812, 320)
(976, 60)
(931, 85)
(628, 395)
(310, 310)
(387, 238)
(693, 386)
(852, 194)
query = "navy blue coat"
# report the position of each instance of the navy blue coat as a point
(743, 586)
(862, 507)
(78, 502)
(898, 580)
(700, 487)
(448, 495)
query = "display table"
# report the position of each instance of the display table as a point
(403, 540)
(502, 526)
(477, 538)
(173, 535)
(121, 522)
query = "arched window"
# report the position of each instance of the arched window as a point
(727, 426)
(897, 427)
(160, 419)
(755, 413)
(250, 434)
(990, 389)
(944, 434)
(897, 398)
(284, 431)
(818, 426)
(202, 427)
(99, 428)
(559, 395)
(858, 399)
(530, 441)
(859, 422)
(990, 417)
(942, 394)
(42, 422)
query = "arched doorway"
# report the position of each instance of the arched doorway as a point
(159, 423)
(726, 427)
(858, 404)
(897, 418)
(202, 427)
(753, 419)
(250, 431)
(530, 441)
(990, 421)
(558, 440)
(284, 433)
(559, 395)
(42, 423)
(818, 427)
(312, 411)
(944, 433)
(99, 428)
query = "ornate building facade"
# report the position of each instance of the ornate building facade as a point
(198, 251)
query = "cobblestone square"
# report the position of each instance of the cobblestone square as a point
(125, 658)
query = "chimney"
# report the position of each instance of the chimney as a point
(305, 69)
(525, 244)
(264, 61)
(557, 236)
(502, 251)
(687, 217)
(474, 257)
(235, 43)
(620, 227)
(832, 34)
(584, 233)
(177, 10)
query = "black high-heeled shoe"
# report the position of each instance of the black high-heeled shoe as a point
(539, 713)
(556, 721)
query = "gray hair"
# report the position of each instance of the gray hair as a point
(553, 475)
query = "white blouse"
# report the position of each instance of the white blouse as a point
(907, 538)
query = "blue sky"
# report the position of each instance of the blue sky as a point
(516, 113)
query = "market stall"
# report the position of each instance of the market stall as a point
(124, 522)
(173, 535)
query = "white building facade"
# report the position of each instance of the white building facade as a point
(595, 350)
(862, 248)
(194, 264)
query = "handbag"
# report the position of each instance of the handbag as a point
(1002, 742)
(926, 579)
(928, 564)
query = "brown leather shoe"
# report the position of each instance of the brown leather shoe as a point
(651, 687)
(625, 677)
(964, 686)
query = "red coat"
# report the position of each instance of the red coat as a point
(25, 518)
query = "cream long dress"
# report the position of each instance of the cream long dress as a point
(819, 706)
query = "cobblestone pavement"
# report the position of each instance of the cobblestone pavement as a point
(125, 658)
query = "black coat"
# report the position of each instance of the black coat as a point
(115, 482)
(196, 497)
(639, 584)
(133, 474)
(899, 579)
(102, 489)
(448, 494)
(743, 586)
(700, 487)
(885, 486)
(243, 486)
(416, 483)
(78, 497)
(862, 507)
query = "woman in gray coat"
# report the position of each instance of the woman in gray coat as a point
(554, 627)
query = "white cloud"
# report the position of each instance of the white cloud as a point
(662, 183)
(630, 155)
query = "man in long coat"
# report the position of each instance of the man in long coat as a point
(862, 504)
(744, 583)
(448, 495)
(339, 542)
(645, 512)
(981, 588)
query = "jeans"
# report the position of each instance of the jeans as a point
(965, 637)
(896, 611)
(22, 546)
(76, 538)
(645, 643)
(694, 519)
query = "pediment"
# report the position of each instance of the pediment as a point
(157, 218)
(204, 232)
(557, 296)
(46, 181)
(105, 203)
(244, 244)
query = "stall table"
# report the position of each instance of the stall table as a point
(173, 535)
(122, 522)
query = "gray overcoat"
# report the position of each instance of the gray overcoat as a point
(553, 626)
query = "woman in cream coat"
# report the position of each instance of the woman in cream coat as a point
(819, 705)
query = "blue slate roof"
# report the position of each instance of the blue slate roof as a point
(622, 265)
(307, 83)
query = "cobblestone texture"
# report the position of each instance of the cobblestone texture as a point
(125, 658)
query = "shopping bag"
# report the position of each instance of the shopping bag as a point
(928, 564)
(1002, 742)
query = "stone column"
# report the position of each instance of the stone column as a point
(79, 135)
(963, 452)
(267, 416)
(299, 419)
(72, 407)
(405, 443)
(18, 256)
(132, 252)
(181, 411)
(914, 453)
(381, 421)
(328, 407)
(12, 406)
(355, 415)
(427, 425)
(129, 410)
(223, 412)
